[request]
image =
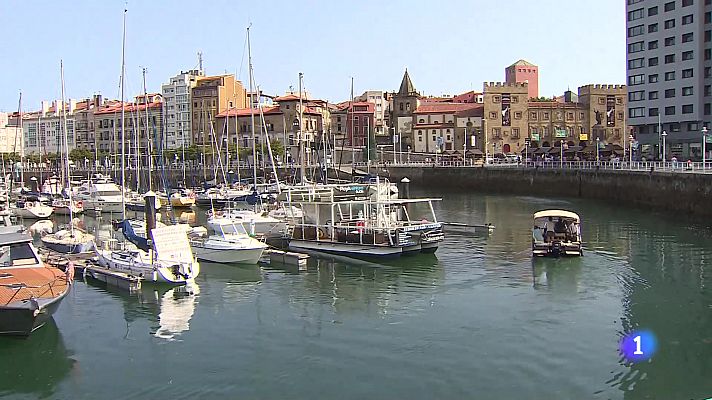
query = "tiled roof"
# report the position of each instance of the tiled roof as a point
(242, 112)
(289, 97)
(438, 108)
(128, 107)
(523, 63)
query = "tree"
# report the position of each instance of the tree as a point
(79, 155)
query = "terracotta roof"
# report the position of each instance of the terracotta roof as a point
(289, 97)
(438, 126)
(437, 108)
(128, 107)
(242, 112)
(478, 110)
(523, 63)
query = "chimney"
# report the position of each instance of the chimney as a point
(45, 107)
(97, 100)
(72, 106)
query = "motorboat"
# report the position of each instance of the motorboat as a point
(137, 202)
(101, 197)
(31, 209)
(182, 198)
(235, 246)
(166, 258)
(69, 241)
(30, 290)
(255, 223)
(556, 233)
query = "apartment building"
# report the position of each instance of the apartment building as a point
(176, 103)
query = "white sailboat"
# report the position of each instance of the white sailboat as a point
(72, 240)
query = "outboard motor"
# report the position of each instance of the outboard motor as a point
(556, 249)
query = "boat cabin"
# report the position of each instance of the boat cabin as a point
(556, 233)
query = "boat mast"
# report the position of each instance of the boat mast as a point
(22, 146)
(303, 160)
(269, 145)
(148, 137)
(123, 123)
(66, 152)
(252, 112)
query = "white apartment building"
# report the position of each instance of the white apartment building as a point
(10, 135)
(43, 129)
(177, 112)
(377, 97)
(669, 70)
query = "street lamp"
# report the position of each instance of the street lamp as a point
(598, 146)
(704, 146)
(630, 147)
(464, 150)
(664, 135)
(409, 153)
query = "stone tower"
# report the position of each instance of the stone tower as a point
(403, 105)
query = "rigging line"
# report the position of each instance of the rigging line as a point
(242, 60)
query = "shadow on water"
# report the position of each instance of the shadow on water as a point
(34, 365)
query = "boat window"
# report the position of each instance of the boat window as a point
(17, 254)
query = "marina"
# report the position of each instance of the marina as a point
(442, 313)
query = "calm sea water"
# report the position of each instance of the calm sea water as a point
(479, 319)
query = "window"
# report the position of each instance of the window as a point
(687, 37)
(670, 41)
(708, 90)
(687, 73)
(636, 112)
(635, 96)
(493, 115)
(635, 63)
(653, 95)
(669, 23)
(692, 126)
(687, 91)
(532, 115)
(652, 45)
(669, 93)
(653, 78)
(635, 30)
(633, 1)
(670, 110)
(670, 76)
(495, 99)
(652, 28)
(687, 19)
(652, 61)
(687, 109)
(708, 36)
(707, 72)
(708, 54)
(669, 6)
(635, 47)
(635, 14)
(652, 11)
(636, 79)
(707, 108)
(669, 59)
(652, 112)
(708, 17)
(686, 3)
(687, 55)
(401, 106)
(407, 106)
(518, 115)
(515, 133)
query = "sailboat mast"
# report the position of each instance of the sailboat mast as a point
(148, 136)
(22, 145)
(123, 123)
(302, 155)
(65, 157)
(252, 112)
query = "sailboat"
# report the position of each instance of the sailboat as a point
(72, 240)
(164, 255)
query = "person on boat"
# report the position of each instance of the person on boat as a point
(549, 229)
(538, 234)
(560, 226)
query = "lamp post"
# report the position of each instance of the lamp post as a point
(464, 150)
(598, 146)
(630, 147)
(664, 135)
(395, 139)
(704, 146)
(408, 153)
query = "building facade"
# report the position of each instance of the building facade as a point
(402, 106)
(211, 96)
(176, 102)
(524, 72)
(505, 117)
(10, 135)
(43, 129)
(436, 129)
(380, 104)
(669, 72)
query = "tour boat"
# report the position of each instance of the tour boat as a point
(167, 259)
(556, 233)
(235, 246)
(362, 221)
(101, 197)
(31, 209)
(30, 291)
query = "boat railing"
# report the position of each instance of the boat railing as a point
(35, 290)
(351, 232)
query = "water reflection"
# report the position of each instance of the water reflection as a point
(34, 365)
(559, 275)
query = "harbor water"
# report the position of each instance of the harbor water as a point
(478, 319)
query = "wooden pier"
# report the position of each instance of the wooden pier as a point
(85, 265)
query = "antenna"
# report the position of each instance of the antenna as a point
(200, 60)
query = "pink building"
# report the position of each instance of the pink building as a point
(523, 71)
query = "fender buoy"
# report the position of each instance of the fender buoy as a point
(360, 225)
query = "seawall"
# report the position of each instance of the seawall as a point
(668, 191)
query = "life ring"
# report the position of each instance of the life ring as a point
(360, 225)
(80, 204)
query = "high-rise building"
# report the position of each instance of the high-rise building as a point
(523, 72)
(669, 61)
(176, 100)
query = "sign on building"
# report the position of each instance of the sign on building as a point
(506, 107)
(610, 110)
(583, 136)
(561, 133)
(535, 136)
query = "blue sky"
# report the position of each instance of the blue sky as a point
(449, 46)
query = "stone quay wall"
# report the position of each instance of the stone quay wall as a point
(686, 193)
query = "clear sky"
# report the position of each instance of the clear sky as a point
(448, 46)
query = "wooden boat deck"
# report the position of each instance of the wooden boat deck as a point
(24, 283)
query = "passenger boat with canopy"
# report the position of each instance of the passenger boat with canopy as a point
(556, 233)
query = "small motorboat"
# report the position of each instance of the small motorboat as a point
(30, 290)
(234, 247)
(29, 209)
(556, 233)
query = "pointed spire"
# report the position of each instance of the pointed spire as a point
(406, 87)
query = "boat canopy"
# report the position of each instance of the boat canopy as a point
(556, 213)
(131, 236)
(13, 238)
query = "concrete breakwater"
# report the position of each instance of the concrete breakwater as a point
(680, 192)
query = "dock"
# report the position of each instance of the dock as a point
(287, 258)
(85, 266)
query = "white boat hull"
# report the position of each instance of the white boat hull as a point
(345, 249)
(242, 256)
(103, 206)
(36, 212)
(126, 262)
(261, 228)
